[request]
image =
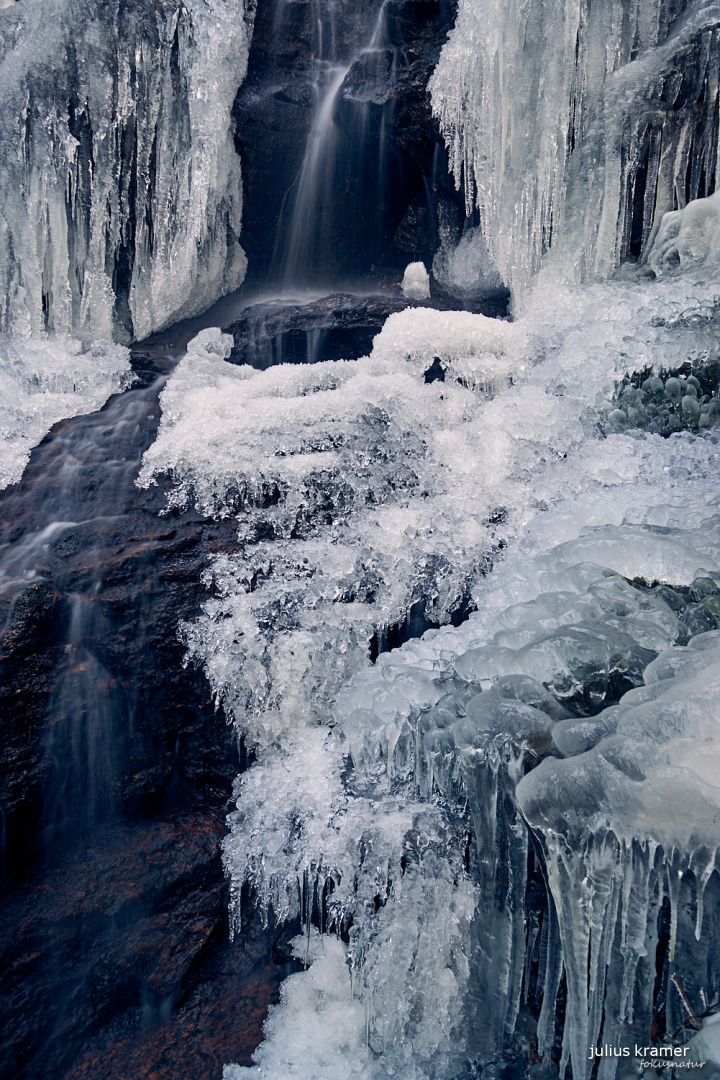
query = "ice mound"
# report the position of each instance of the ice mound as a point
(416, 281)
(483, 354)
(120, 187)
(687, 237)
(354, 498)
(43, 380)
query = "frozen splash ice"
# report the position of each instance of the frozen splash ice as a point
(120, 184)
(382, 803)
(570, 127)
(354, 496)
(45, 380)
(318, 1029)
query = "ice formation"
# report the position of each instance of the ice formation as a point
(383, 800)
(46, 380)
(355, 491)
(465, 268)
(688, 237)
(120, 188)
(416, 281)
(578, 125)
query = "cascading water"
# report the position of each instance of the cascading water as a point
(84, 498)
(515, 849)
(115, 764)
(338, 143)
(319, 207)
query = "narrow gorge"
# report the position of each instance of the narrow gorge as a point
(359, 539)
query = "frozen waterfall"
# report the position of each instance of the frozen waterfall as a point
(575, 126)
(499, 839)
(120, 186)
(397, 803)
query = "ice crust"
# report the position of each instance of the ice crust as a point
(570, 126)
(43, 380)
(120, 186)
(388, 800)
(345, 477)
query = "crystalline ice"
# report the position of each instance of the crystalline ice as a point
(688, 237)
(46, 380)
(357, 536)
(383, 797)
(416, 281)
(561, 121)
(120, 186)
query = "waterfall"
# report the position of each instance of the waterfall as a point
(351, 75)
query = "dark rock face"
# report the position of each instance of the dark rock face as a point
(116, 771)
(332, 327)
(391, 174)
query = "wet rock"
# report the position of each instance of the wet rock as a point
(341, 326)
(113, 899)
(393, 171)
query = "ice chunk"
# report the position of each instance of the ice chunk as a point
(416, 281)
(688, 237)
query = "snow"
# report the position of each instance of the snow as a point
(120, 187)
(46, 380)
(416, 281)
